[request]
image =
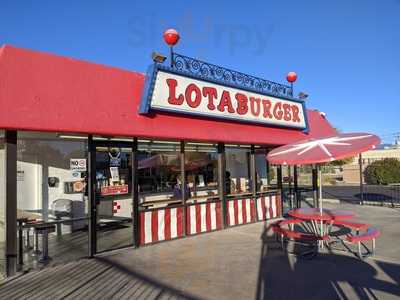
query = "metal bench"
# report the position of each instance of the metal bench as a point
(308, 239)
(351, 225)
(370, 235)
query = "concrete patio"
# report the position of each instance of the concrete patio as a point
(243, 262)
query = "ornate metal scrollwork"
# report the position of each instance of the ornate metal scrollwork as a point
(206, 70)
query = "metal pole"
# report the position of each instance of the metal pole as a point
(183, 183)
(11, 202)
(279, 184)
(320, 203)
(360, 163)
(296, 187)
(135, 194)
(315, 185)
(92, 196)
(290, 187)
(320, 187)
(222, 181)
(253, 173)
(171, 56)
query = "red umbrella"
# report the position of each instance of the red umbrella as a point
(313, 151)
(325, 149)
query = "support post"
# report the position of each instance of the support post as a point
(279, 184)
(315, 185)
(320, 187)
(296, 186)
(290, 187)
(11, 202)
(222, 181)
(268, 166)
(253, 172)
(360, 164)
(92, 196)
(183, 183)
(279, 177)
(135, 194)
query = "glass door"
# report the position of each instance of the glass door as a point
(113, 194)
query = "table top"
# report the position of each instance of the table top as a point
(315, 214)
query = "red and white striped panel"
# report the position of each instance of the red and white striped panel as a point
(160, 225)
(203, 217)
(268, 207)
(240, 211)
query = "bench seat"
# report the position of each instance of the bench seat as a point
(351, 225)
(371, 234)
(297, 235)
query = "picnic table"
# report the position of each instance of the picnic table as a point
(319, 224)
(321, 220)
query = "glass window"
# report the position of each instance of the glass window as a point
(261, 170)
(113, 172)
(237, 170)
(201, 167)
(159, 165)
(51, 187)
(2, 204)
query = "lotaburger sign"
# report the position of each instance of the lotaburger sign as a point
(170, 91)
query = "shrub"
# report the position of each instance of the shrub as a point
(383, 171)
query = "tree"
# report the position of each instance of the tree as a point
(342, 162)
(383, 171)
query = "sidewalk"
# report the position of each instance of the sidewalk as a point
(238, 263)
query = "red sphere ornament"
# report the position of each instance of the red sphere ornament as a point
(291, 77)
(171, 37)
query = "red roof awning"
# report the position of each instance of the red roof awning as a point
(45, 92)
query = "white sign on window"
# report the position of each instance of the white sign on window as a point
(78, 164)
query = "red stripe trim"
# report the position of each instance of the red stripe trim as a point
(167, 222)
(271, 211)
(208, 217)
(278, 205)
(188, 220)
(263, 208)
(142, 231)
(179, 221)
(154, 226)
(218, 215)
(236, 211)
(198, 218)
(252, 209)
(244, 211)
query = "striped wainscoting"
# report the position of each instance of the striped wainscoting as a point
(203, 217)
(161, 224)
(240, 211)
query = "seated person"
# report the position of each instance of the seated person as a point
(178, 189)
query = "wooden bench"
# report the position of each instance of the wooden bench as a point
(370, 235)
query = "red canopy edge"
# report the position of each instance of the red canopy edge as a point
(46, 92)
(327, 149)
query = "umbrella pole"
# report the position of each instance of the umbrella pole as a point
(320, 203)
(320, 188)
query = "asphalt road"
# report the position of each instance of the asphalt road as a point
(375, 193)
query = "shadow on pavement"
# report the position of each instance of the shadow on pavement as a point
(327, 276)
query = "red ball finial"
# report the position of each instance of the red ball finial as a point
(291, 77)
(171, 37)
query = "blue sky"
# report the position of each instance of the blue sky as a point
(346, 53)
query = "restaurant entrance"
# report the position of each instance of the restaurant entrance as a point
(112, 211)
